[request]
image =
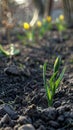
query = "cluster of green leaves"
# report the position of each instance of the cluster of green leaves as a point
(12, 51)
(60, 25)
(42, 27)
(53, 83)
(46, 26)
(30, 35)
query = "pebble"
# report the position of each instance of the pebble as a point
(26, 127)
(18, 100)
(10, 111)
(12, 70)
(71, 114)
(50, 128)
(54, 124)
(61, 118)
(49, 114)
(24, 120)
(57, 104)
(12, 123)
(66, 114)
(8, 128)
(42, 127)
(6, 119)
(61, 129)
(38, 123)
(16, 127)
(62, 109)
(69, 121)
(1, 102)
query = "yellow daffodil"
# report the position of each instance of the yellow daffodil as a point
(39, 23)
(48, 18)
(26, 26)
(61, 17)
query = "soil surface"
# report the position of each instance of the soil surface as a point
(23, 103)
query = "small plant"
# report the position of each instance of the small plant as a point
(10, 53)
(44, 26)
(29, 32)
(61, 26)
(39, 29)
(48, 23)
(53, 83)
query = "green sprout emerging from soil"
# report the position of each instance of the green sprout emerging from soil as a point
(10, 53)
(44, 26)
(29, 32)
(61, 26)
(53, 83)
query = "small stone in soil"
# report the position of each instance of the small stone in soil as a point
(12, 70)
(12, 123)
(71, 115)
(26, 127)
(10, 111)
(69, 121)
(49, 114)
(16, 127)
(57, 104)
(61, 118)
(38, 123)
(6, 119)
(50, 128)
(54, 124)
(8, 128)
(62, 109)
(18, 100)
(41, 128)
(24, 120)
(1, 102)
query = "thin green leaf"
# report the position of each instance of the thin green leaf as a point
(52, 79)
(49, 96)
(3, 51)
(44, 73)
(20, 37)
(60, 78)
(57, 64)
(17, 52)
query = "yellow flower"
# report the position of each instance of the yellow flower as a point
(26, 26)
(48, 18)
(39, 23)
(61, 17)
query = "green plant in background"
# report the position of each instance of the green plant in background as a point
(53, 83)
(44, 26)
(61, 26)
(39, 29)
(12, 51)
(29, 32)
(47, 23)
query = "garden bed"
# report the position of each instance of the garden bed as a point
(21, 87)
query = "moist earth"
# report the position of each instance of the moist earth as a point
(23, 103)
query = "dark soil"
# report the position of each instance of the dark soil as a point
(21, 84)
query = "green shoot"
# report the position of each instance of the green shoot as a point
(61, 26)
(12, 51)
(53, 83)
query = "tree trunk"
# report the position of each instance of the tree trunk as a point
(42, 8)
(68, 11)
(48, 7)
